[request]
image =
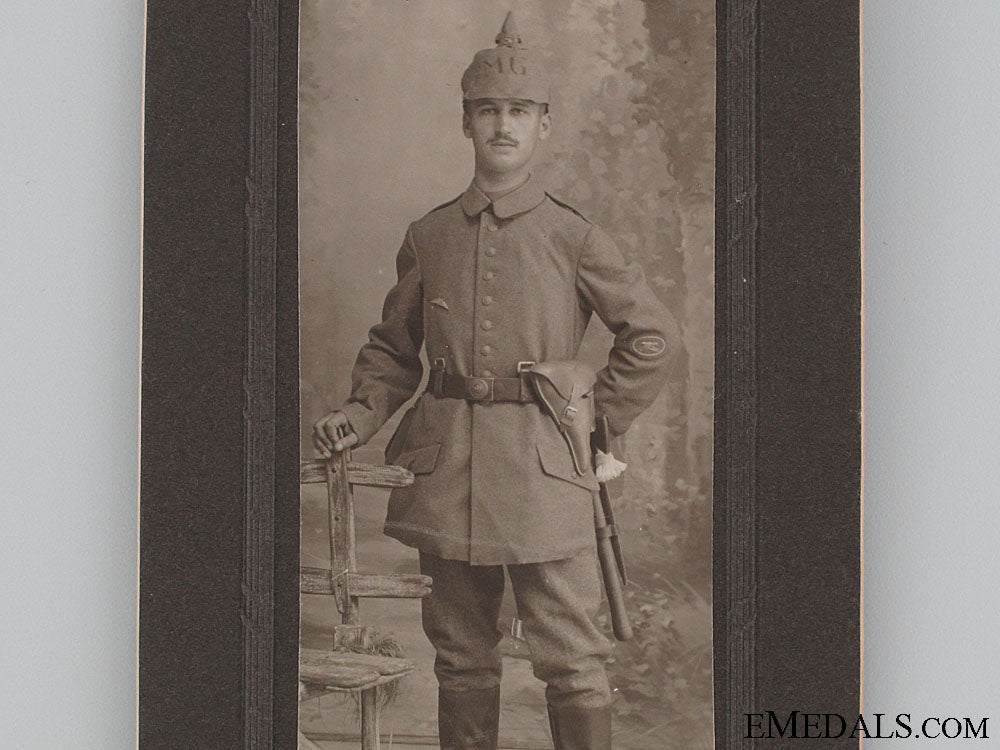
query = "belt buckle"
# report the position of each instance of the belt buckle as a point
(523, 365)
(479, 389)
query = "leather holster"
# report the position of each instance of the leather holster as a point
(566, 392)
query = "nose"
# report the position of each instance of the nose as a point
(503, 123)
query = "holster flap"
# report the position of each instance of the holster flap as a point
(566, 392)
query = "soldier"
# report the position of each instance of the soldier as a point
(500, 278)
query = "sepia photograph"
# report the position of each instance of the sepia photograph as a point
(506, 292)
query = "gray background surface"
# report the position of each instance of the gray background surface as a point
(70, 160)
(932, 537)
(70, 148)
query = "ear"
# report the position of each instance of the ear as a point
(466, 125)
(544, 126)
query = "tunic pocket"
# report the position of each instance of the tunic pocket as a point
(419, 460)
(558, 463)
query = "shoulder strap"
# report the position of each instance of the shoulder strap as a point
(444, 205)
(564, 204)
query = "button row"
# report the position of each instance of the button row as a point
(486, 350)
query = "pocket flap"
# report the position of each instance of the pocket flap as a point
(557, 462)
(419, 460)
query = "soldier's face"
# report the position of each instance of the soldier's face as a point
(505, 132)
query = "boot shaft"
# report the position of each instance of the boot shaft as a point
(576, 728)
(469, 719)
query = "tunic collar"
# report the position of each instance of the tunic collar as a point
(517, 201)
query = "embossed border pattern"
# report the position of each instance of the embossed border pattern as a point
(259, 379)
(734, 489)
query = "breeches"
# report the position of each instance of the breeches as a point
(555, 601)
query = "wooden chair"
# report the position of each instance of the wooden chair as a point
(349, 666)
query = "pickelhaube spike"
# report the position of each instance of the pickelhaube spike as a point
(507, 71)
(509, 35)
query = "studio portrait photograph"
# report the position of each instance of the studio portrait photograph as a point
(506, 256)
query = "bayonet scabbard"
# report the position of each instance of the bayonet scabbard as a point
(609, 550)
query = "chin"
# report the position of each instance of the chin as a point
(505, 165)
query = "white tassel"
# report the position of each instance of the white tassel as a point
(608, 467)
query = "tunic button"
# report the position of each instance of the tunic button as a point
(492, 227)
(487, 373)
(487, 325)
(487, 300)
(491, 251)
(489, 275)
(486, 350)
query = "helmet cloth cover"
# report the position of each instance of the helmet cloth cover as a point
(507, 71)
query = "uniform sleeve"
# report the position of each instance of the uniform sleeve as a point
(388, 369)
(646, 335)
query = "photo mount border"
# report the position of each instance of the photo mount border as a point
(256, 41)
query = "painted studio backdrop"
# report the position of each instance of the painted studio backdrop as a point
(632, 149)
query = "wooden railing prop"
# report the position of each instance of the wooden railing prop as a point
(341, 669)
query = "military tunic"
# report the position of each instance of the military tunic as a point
(484, 285)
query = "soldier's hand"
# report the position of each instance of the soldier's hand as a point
(333, 433)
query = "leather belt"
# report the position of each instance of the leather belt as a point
(449, 385)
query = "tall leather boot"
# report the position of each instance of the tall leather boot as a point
(469, 719)
(575, 728)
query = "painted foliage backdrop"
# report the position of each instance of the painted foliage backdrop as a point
(632, 148)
